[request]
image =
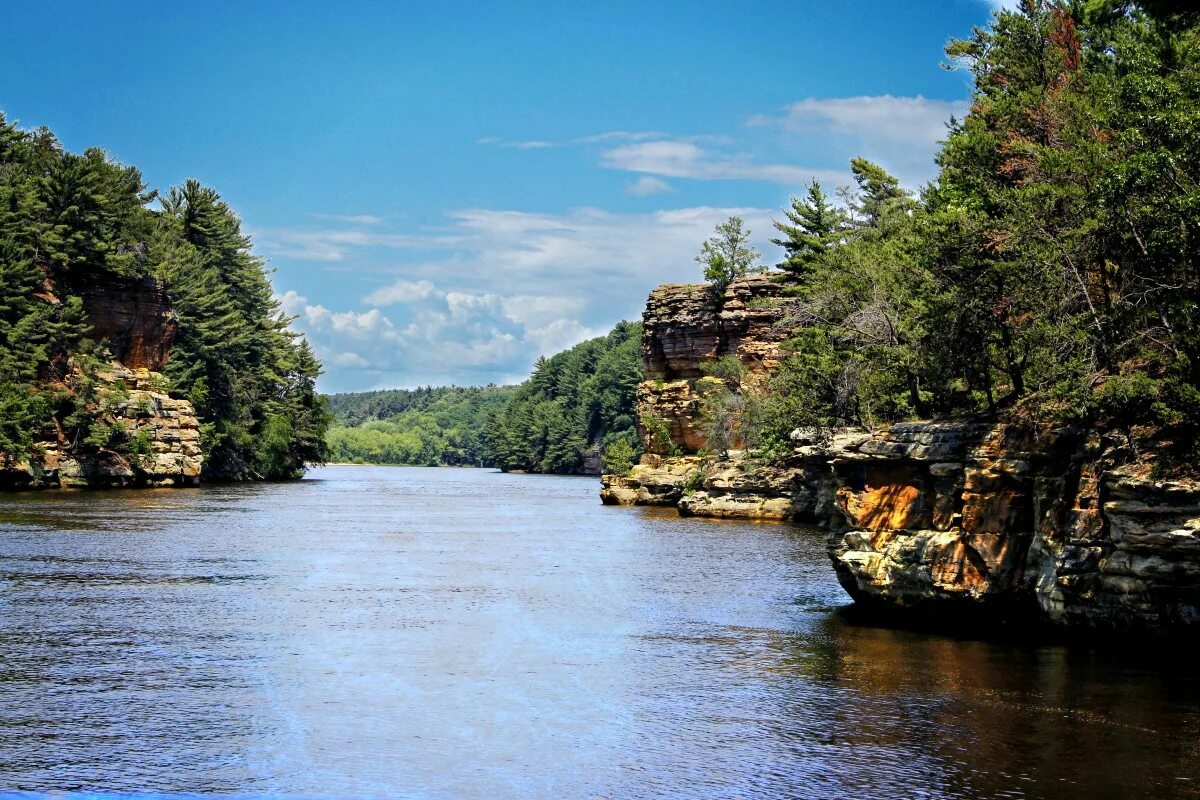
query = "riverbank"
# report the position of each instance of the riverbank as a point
(958, 520)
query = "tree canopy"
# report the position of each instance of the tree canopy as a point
(72, 220)
(1050, 271)
(575, 404)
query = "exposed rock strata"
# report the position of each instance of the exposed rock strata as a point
(1058, 526)
(134, 316)
(159, 435)
(655, 481)
(135, 402)
(968, 518)
(960, 519)
(685, 329)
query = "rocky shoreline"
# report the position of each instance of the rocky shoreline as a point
(1063, 527)
(952, 520)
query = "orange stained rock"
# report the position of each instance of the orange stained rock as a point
(889, 506)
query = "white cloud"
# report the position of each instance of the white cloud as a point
(514, 286)
(685, 159)
(335, 244)
(401, 291)
(349, 360)
(596, 138)
(645, 185)
(880, 118)
(537, 310)
(353, 219)
(900, 132)
(292, 302)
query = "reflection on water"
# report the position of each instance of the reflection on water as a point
(391, 632)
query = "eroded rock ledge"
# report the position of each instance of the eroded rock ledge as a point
(167, 427)
(1059, 526)
(160, 434)
(685, 331)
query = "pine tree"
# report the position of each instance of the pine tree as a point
(814, 226)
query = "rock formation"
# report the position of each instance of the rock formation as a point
(684, 330)
(134, 317)
(159, 436)
(1004, 519)
(1018, 524)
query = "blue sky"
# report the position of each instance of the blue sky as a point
(447, 191)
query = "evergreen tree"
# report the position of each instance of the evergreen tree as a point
(813, 226)
(71, 221)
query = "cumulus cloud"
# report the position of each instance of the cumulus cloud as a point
(515, 285)
(349, 360)
(901, 132)
(904, 120)
(401, 291)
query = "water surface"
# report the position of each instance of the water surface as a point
(398, 632)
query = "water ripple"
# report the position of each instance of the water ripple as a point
(389, 632)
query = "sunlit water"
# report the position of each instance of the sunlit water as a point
(392, 632)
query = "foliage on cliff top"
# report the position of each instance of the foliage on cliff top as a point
(69, 220)
(1051, 269)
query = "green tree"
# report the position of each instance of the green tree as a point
(728, 254)
(813, 226)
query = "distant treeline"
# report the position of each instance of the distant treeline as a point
(424, 427)
(576, 405)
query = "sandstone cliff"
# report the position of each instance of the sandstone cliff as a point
(134, 317)
(1019, 524)
(1060, 523)
(686, 329)
(156, 437)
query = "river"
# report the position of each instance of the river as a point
(450, 633)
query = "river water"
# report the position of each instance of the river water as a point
(395, 632)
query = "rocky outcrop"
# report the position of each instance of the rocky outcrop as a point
(137, 434)
(685, 329)
(1056, 525)
(1014, 523)
(957, 520)
(134, 317)
(155, 442)
(656, 481)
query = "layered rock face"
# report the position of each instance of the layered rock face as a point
(134, 316)
(1056, 525)
(1017, 524)
(959, 520)
(685, 329)
(158, 436)
(163, 431)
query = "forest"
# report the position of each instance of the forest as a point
(73, 220)
(575, 405)
(431, 426)
(1049, 273)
